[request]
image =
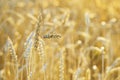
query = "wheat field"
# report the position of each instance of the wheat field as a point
(59, 40)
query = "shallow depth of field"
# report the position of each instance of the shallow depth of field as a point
(59, 39)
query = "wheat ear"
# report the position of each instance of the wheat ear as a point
(13, 55)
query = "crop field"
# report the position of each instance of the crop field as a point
(59, 39)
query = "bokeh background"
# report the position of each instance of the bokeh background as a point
(82, 24)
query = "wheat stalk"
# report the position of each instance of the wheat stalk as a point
(13, 55)
(61, 65)
(102, 52)
(39, 43)
(77, 73)
(88, 74)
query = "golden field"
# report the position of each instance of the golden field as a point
(59, 40)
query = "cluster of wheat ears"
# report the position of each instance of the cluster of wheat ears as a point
(59, 40)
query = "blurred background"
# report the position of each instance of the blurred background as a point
(81, 24)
